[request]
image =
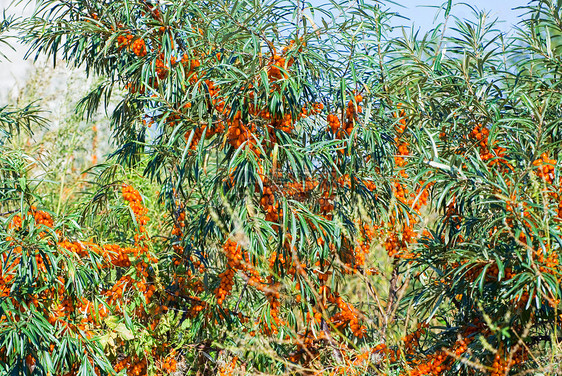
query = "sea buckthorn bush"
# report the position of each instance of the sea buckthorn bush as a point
(294, 190)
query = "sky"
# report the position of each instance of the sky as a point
(421, 15)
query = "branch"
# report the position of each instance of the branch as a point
(9, 212)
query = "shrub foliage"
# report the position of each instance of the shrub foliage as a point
(293, 190)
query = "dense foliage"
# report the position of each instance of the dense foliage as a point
(292, 191)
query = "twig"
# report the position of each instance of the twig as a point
(9, 212)
(392, 290)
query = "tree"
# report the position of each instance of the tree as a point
(338, 201)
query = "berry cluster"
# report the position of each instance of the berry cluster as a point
(545, 167)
